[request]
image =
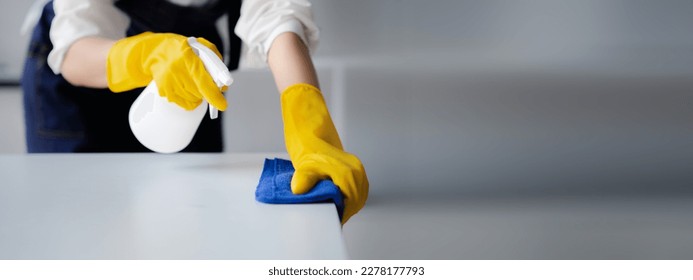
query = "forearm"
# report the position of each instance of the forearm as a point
(290, 62)
(85, 62)
(288, 58)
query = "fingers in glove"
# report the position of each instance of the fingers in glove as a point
(206, 86)
(304, 180)
(346, 172)
(175, 91)
(182, 102)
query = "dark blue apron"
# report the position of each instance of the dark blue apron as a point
(60, 117)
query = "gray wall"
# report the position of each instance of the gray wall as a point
(12, 123)
(13, 44)
(474, 96)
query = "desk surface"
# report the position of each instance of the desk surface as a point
(153, 206)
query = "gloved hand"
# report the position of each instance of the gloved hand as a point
(316, 151)
(166, 58)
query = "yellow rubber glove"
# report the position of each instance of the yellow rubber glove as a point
(166, 58)
(316, 151)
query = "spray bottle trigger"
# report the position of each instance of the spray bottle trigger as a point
(214, 66)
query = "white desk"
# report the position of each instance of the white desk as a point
(153, 206)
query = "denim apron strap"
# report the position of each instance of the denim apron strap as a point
(52, 120)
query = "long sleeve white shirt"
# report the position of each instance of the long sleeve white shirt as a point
(261, 21)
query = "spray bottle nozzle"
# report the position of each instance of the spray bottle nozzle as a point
(214, 66)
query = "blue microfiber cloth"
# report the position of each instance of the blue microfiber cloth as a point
(275, 187)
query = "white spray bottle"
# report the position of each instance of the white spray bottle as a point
(165, 127)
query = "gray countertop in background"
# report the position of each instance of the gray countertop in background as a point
(523, 226)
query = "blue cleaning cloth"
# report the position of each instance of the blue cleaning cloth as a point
(275, 187)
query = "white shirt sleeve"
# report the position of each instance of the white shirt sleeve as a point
(261, 21)
(76, 19)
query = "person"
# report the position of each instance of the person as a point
(88, 60)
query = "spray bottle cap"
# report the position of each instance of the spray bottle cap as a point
(215, 67)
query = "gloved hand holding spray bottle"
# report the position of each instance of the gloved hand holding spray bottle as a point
(166, 122)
